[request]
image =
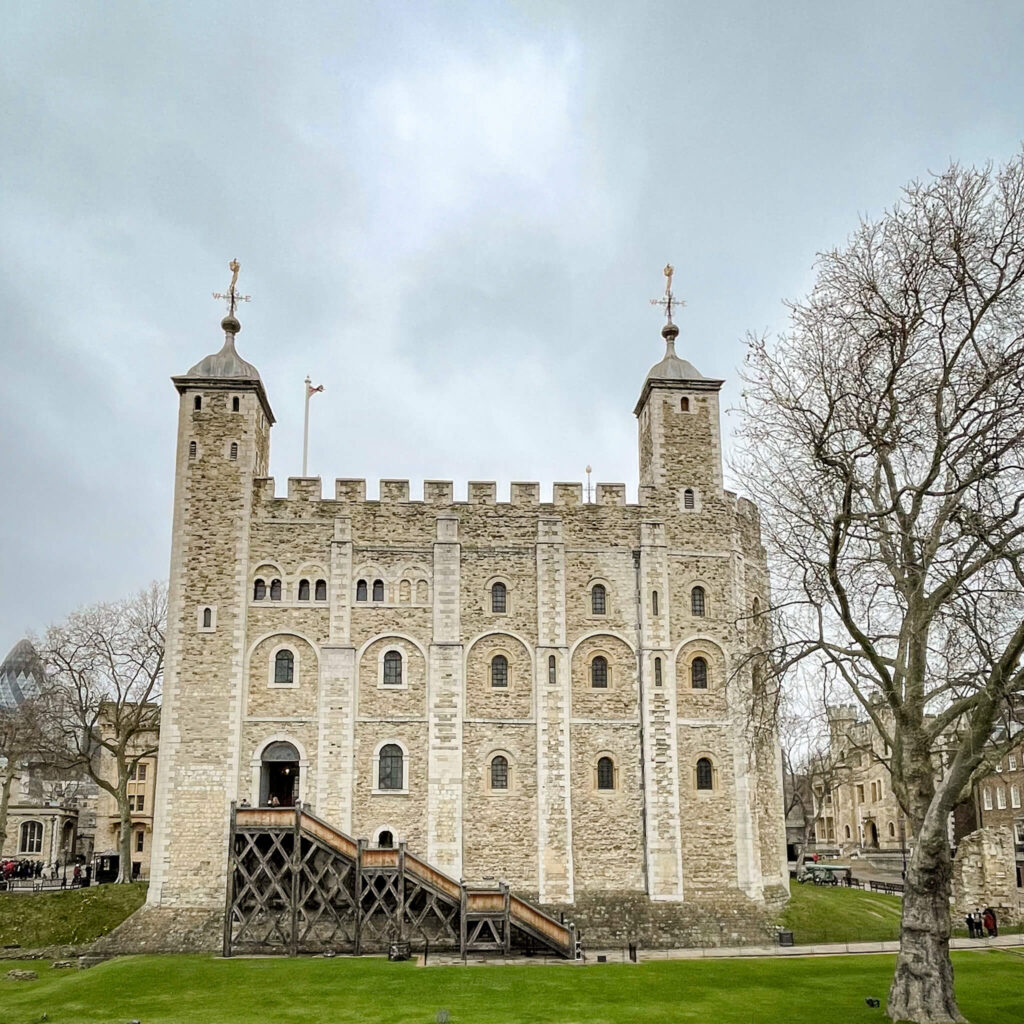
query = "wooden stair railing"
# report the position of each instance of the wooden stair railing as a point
(297, 882)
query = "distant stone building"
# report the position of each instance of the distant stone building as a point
(553, 692)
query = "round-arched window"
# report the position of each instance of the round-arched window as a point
(385, 841)
(598, 599)
(499, 772)
(284, 668)
(599, 673)
(392, 669)
(698, 601)
(499, 597)
(499, 671)
(280, 750)
(361, 590)
(391, 767)
(705, 775)
(699, 674)
(303, 590)
(605, 773)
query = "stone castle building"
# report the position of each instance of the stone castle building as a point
(519, 686)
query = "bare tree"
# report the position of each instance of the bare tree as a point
(886, 432)
(20, 740)
(104, 669)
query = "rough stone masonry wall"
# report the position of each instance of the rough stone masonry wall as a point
(985, 874)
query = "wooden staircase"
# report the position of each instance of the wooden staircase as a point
(298, 885)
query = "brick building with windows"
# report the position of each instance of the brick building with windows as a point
(534, 688)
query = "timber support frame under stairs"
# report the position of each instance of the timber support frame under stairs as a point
(298, 885)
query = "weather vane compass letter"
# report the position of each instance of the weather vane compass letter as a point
(232, 296)
(668, 301)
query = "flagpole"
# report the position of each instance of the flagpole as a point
(305, 426)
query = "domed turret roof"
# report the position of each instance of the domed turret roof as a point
(226, 363)
(21, 675)
(672, 367)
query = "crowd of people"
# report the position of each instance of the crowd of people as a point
(22, 869)
(982, 923)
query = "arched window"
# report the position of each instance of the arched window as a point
(192, 449)
(284, 668)
(697, 601)
(361, 590)
(207, 618)
(599, 673)
(392, 669)
(321, 590)
(705, 776)
(605, 773)
(499, 772)
(846, 831)
(378, 590)
(233, 454)
(598, 602)
(303, 590)
(699, 674)
(755, 608)
(499, 597)
(654, 603)
(31, 837)
(391, 769)
(688, 498)
(657, 671)
(197, 404)
(234, 404)
(259, 590)
(684, 405)
(499, 671)
(552, 669)
(892, 830)
(385, 841)
(275, 590)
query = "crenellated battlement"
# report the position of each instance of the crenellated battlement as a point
(442, 492)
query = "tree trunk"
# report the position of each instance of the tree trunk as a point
(5, 799)
(124, 871)
(922, 987)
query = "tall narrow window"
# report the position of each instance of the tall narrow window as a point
(378, 590)
(390, 769)
(1015, 796)
(552, 669)
(657, 671)
(598, 602)
(31, 837)
(605, 773)
(303, 590)
(499, 597)
(688, 498)
(684, 405)
(1001, 798)
(361, 590)
(275, 590)
(140, 841)
(392, 669)
(698, 603)
(499, 671)
(259, 590)
(321, 590)
(705, 776)
(499, 772)
(699, 674)
(654, 603)
(233, 454)
(234, 404)
(192, 449)
(284, 668)
(207, 618)
(197, 404)
(599, 673)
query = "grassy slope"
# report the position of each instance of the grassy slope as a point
(834, 914)
(66, 918)
(189, 989)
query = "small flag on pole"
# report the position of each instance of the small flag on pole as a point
(310, 390)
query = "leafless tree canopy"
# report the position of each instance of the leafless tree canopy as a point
(886, 432)
(104, 670)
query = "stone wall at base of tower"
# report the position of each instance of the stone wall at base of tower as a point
(164, 930)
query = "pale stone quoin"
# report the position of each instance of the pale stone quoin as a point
(519, 685)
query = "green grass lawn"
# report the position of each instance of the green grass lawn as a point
(66, 918)
(827, 913)
(204, 990)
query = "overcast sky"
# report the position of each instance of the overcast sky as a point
(451, 215)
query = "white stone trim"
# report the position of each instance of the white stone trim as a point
(404, 655)
(256, 766)
(616, 777)
(200, 609)
(395, 835)
(488, 608)
(375, 769)
(600, 632)
(272, 666)
(513, 773)
(609, 604)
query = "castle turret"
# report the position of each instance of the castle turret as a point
(679, 429)
(224, 421)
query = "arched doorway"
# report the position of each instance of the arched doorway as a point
(873, 834)
(279, 775)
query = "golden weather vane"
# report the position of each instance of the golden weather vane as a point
(232, 296)
(668, 301)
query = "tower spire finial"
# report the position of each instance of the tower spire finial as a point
(669, 302)
(232, 297)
